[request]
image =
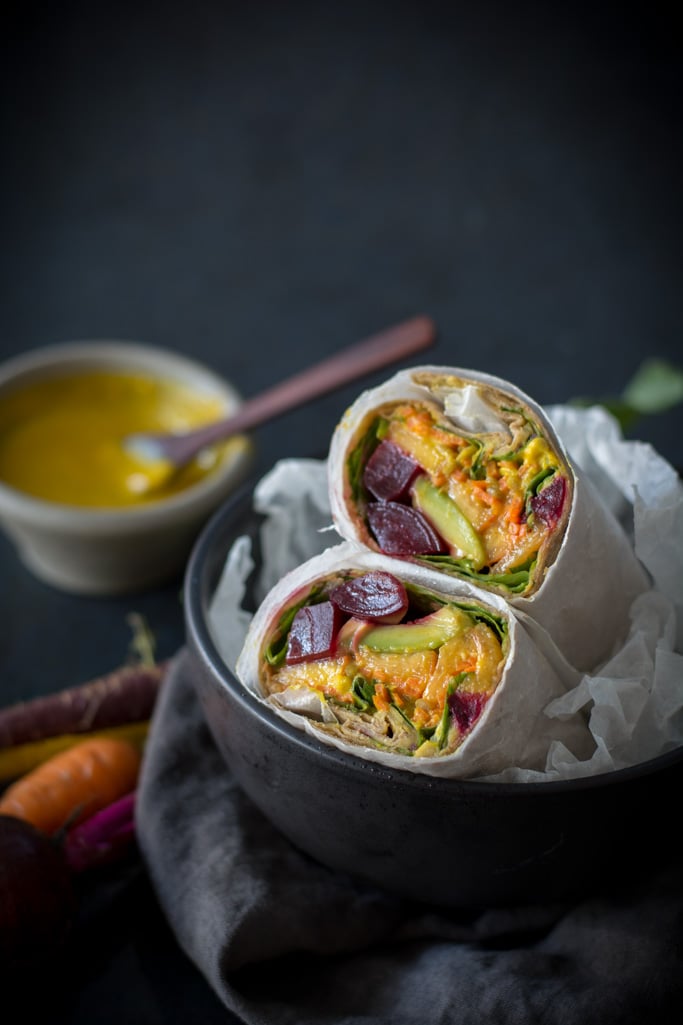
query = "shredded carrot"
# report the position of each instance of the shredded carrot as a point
(485, 496)
(381, 698)
(74, 784)
(446, 438)
(419, 423)
(514, 510)
(413, 686)
(513, 517)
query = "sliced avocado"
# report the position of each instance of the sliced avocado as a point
(430, 632)
(446, 517)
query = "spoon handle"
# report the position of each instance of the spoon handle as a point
(388, 346)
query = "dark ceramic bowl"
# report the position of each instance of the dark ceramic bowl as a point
(460, 844)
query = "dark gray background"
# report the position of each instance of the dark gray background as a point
(259, 185)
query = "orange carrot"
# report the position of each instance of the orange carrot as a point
(22, 758)
(74, 784)
(413, 687)
(420, 422)
(483, 494)
(381, 698)
(514, 510)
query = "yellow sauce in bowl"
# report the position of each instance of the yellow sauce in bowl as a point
(61, 437)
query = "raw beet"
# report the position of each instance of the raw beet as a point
(548, 504)
(401, 530)
(313, 632)
(466, 708)
(377, 596)
(37, 899)
(389, 472)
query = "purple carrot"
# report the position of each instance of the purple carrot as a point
(103, 837)
(126, 695)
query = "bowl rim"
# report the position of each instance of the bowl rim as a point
(150, 359)
(195, 590)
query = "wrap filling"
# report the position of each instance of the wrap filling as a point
(384, 664)
(465, 481)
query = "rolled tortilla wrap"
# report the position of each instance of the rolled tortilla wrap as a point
(455, 688)
(478, 462)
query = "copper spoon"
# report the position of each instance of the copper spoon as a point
(389, 346)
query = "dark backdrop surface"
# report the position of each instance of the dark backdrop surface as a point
(259, 185)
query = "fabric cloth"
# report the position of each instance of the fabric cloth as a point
(285, 941)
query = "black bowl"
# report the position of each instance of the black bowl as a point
(458, 844)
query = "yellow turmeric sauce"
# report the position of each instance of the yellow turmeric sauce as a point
(61, 437)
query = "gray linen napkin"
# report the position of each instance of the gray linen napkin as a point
(284, 941)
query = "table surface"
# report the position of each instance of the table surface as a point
(261, 186)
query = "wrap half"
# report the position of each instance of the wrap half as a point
(463, 473)
(367, 653)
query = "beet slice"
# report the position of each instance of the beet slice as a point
(313, 633)
(389, 472)
(378, 596)
(466, 707)
(548, 504)
(401, 530)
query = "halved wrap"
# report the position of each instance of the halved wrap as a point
(369, 654)
(462, 472)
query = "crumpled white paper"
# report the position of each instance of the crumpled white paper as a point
(635, 700)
